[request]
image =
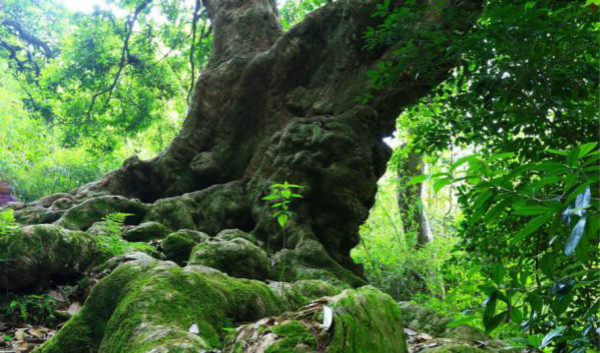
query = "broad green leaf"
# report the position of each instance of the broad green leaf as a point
(482, 198)
(440, 183)
(529, 5)
(587, 148)
(416, 180)
(504, 155)
(535, 300)
(282, 219)
(531, 227)
(462, 321)
(553, 151)
(516, 315)
(498, 273)
(533, 210)
(494, 322)
(497, 209)
(462, 161)
(575, 236)
(557, 332)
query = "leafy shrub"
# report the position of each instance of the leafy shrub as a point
(533, 228)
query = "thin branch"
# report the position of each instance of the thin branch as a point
(125, 50)
(122, 62)
(195, 18)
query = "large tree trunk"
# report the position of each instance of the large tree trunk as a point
(270, 107)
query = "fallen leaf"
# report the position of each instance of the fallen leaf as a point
(194, 329)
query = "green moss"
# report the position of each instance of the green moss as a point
(84, 215)
(237, 257)
(178, 246)
(146, 231)
(298, 294)
(366, 320)
(143, 305)
(230, 234)
(38, 253)
(291, 335)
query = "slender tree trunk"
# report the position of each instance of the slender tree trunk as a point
(410, 202)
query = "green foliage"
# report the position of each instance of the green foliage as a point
(7, 223)
(294, 11)
(534, 229)
(280, 198)
(32, 309)
(81, 92)
(110, 236)
(526, 76)
(393, 263)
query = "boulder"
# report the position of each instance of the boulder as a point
(35, 254)
(146, 231)
(178, 246)
(237, 257)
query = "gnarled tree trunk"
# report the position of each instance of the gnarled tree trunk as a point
(270, 107)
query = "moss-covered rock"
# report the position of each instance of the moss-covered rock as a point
(35, 214)
(309, 260)
(146, 231)
(178, 246)
(38, 253)
(237, 257)
(299, 293)
(422, 319)
(230, 234)
(364, 321)
(83, 215)
(149, 306)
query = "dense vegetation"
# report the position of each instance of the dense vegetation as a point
(499, 161)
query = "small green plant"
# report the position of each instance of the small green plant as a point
(281, 196)
(110, 238)
(33, 309)
(7, 223)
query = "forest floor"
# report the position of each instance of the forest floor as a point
(56, 305)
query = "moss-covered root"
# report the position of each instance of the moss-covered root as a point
(35, 254)
(364, 321)
(156, 306)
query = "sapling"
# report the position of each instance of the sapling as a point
(281, 197)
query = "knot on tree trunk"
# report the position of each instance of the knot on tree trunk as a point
(242, 27)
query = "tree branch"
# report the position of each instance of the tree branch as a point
(129, 24)
(25, 35)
